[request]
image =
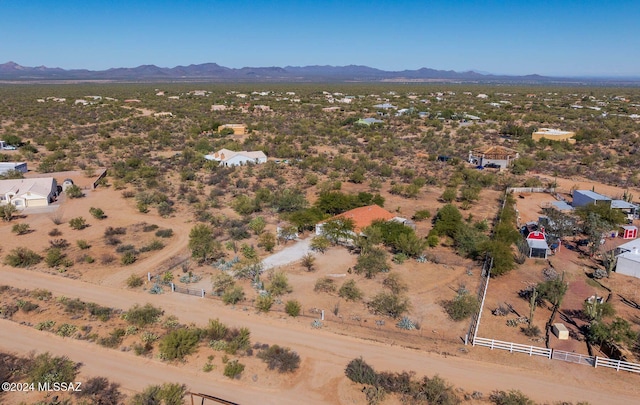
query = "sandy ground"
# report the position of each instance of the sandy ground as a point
(289, 254)
(324, 355)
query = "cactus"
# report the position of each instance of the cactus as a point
(406, 324)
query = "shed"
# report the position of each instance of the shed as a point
(629, 232)
(561, 331)
(537, 243)
(582, 198)
(66, 184)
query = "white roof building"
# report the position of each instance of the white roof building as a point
(628, 256)
(23, 193)
(228, 157)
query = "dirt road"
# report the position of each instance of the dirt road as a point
(324, 354)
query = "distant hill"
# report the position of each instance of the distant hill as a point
(215, 73)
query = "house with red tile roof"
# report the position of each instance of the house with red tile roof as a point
(363, 217)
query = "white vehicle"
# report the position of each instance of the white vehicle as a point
(9, 147)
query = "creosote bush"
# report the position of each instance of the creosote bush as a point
(142, 316)
(280, 358)
(292, 308)
(22, 257)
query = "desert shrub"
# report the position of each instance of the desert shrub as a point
(41, 294)
(264, 303)
(233, 295)
(325, 284)
(221, 282)
(55, 232)
(421, 215)
(74, 306)
(112, 240)
(435, 391)
(125, 248)
(27, 306)
(531, 330)
(360, 372)
(149, 227)
(165, 394)
(22, 257)
(74, 192)
(216, 330)
(179, 343)
(20, 229)
(59, 243)
(462, 307)
(114, 339)
(280, 358)
(100, 312)
(372, 263)
(45, 325)
(110, 231)
(320, 244)
(350, 291)
(134, 281)
(99, 391)
(107, 258)
(143, 316)
(392, 305)
(153, 245)
(279, 284)
(77, 223)
(513, 397)
(83, 244)
(47, 369)
(56, 258)
(395, 284)
(233, 369)
(97, 213)
(164, 233)
(374, 394)
(292, 308)
(128, 258)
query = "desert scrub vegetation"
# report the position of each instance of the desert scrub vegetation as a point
(325, 284)
(462, 306)
(134, 281)
(179, 343)
(22, 257)
(166, 394)
(424, 390)
(142, 316)
(292, 308)
(233, 369)
(389, 304)
(350, 291)
(279, 358)
(78, 223)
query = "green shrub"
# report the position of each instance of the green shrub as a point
(27, 306)
(74, 306)
(264, 303)
(134, 281)
(389, 304)
(221, 282)
(55, 258)
(360, 372)
(153, 245)
(280, 358)
(165, 394)
(513, 397)
(233, 295)
(292, 308)
(325, 284)
(349, 291)
(179, 343)
(66, 330)
(216, 330)
(22, 257)
(100, 312)
(128, 258)
(164, 233)
(372, 263)
(74, 192)
(142, 316)
(83, 244)
(233, 369)
(20, 229)
(279, 284)
(47, 369)
(77, 223)
(462, 307)
(97, 213)
(421, 215)
(114, 339)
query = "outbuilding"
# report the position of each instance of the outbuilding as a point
(629, 232)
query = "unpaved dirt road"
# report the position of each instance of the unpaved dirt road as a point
(324, 354)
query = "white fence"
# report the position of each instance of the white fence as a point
(513, 347)
(617, 364)
(573, 357)
(530, 190)
(558, 355)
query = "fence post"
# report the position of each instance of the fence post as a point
(202, 296)
(595, 363)
(466, 339)
(322, 315)
(618, 365)
(148, 276)
(173, 287)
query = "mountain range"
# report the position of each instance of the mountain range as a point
(215, 73)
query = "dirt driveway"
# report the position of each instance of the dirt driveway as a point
(289, 254)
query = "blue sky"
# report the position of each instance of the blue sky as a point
(570, 37)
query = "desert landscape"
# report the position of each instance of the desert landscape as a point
(173, 259)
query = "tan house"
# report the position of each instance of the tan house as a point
(554, 135)
(238, 129)
(24, 193)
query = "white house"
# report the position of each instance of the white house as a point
(628, 262)
(23, 193)
(17, 166)
(228, 157)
